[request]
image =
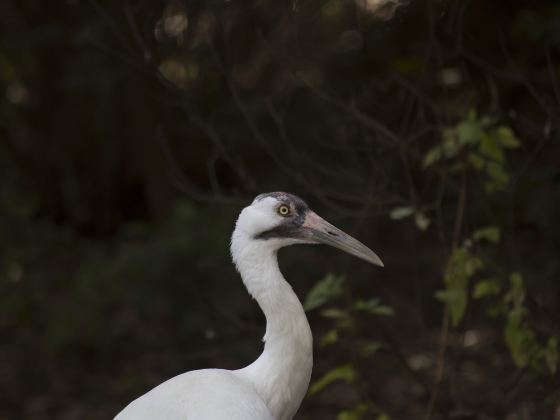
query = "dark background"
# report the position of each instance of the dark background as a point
(133, 132)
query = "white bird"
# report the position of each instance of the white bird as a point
(273, 386)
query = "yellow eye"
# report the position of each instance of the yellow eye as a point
(283, 210)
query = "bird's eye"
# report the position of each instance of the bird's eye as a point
(283, 210)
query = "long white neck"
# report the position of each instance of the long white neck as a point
(281, 374)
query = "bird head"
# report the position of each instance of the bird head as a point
(280, 219)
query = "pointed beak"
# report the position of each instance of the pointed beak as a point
(319, 230)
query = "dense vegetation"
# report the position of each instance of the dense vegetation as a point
(132, 133)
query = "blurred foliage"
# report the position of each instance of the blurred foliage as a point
(473, 147)
(131, 133)
(344, 329)
(462, 265)
(323, 291)
(345, 373)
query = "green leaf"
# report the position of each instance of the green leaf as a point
(356, 413)
(487, 121)
(516, 293)
(457, 307)
(329, 338)
(342, 317)
(518, 335)
(488, 287)
(343, 373)
(472, 265)
(476, 161)
(374, 306)
(323, 291)
(516, 280)
(461, 266)
(498, 309)
(334, 313)
(370, 348)
(451, 147)
(456, 167)
(489, 233)
(471, 115)
(401, 212)
(497, 174)
(507, 138)
(519, 338)
(490, 147)
(469, 132)
(551, 355)
(441, 295)
(432, 156)
(421, 220)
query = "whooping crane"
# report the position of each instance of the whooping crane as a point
(273, 386)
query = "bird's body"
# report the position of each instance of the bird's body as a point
(205, 394)
(273, 386)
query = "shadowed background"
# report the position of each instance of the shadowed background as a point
(133, 132)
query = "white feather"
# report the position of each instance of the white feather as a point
(272, 387)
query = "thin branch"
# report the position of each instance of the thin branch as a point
(552, 75)
(142, 46)
(181, 181)
(444, 333)
(388, 137)
(112, 24)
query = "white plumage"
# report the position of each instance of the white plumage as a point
(273, 386)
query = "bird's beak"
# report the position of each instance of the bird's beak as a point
(319, 230)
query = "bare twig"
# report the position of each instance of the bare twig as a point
(444, 333)
(112, 24)
(181, 181)
(552, 75)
